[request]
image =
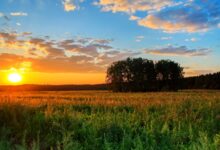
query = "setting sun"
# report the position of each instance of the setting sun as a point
(14, 77)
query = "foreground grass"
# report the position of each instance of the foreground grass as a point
(104, 120)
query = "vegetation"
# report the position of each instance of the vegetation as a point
(186, 120)
(32, 87)
(209, 81)
(138, 74)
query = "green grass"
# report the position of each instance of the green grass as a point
(104, 120)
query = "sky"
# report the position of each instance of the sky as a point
(74, 41)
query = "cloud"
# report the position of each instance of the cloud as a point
(47, 47)
(191, 40)
(2, 15)
(131, 7)
(18, 14)
(69, 55)
(18, 24)
(168, 15)
(169, 26)
(26, 33)
(93, 41)
(166, 38)
(139, 38)
(132, 17)
(86, 46)
(198, 16)
(70, 64)
(101, 41)
(8, 37)
(178, 51)
(69, 5)
(111, 56)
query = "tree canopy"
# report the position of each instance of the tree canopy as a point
(139, 75)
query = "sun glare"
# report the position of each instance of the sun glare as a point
(14, 77)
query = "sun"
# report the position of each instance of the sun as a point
(14, 77)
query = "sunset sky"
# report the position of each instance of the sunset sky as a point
(74, 41)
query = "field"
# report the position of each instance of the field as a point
(104, 120)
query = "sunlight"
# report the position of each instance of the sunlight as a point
(14, 77)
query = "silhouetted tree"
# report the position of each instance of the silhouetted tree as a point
(140, 74)
(115, 76)
(131, 75)
(169, 75)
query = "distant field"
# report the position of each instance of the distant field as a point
(104, 120)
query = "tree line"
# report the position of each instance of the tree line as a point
(209, 81)
(138, 74)
(32, 87)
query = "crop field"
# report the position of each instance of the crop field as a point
(101, 120)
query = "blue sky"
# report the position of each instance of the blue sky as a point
(91, 34)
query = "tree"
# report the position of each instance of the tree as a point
(169, 75)
(140, 74)
(131, 75)
(115, 76)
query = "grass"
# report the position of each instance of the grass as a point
(186, 120)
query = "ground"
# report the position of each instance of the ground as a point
(106, 120)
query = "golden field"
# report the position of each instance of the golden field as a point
(106, 120)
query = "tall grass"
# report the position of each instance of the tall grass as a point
(104, 120)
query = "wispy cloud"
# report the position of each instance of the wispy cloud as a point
(166, 38)
(191, 40)
(178, 51)
(19, 14)
(18, 24)
(2, 15)
(139, 38)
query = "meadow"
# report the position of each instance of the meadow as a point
(102, 120)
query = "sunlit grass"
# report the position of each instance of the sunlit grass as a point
(105, 120)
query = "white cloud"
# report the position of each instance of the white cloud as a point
(139, 38)
(166, 38)
(191, 40)
(18, 14)
(18, 24)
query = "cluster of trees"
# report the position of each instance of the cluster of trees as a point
(209, 81)
(138, 74)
